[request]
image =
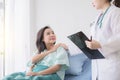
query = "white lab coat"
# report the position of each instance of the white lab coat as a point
(109, 37)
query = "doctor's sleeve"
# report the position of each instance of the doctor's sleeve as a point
(113, 43)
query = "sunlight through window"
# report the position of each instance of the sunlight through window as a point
(1, 36)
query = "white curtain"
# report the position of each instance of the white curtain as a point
(17, 35)
(1, 36)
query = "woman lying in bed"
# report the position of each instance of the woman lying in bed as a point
(49, 63)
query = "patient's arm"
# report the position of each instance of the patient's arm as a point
(40, 56)
(50, 70)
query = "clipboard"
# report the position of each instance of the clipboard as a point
(79, 40)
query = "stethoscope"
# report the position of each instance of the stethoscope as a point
(99, 21)
(101, 17)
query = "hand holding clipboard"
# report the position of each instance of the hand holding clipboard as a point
(79, 40)
(92, 44)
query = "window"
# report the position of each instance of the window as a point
(1, 37)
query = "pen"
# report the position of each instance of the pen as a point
(90, 38)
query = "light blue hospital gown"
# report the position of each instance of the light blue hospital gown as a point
(60, 56)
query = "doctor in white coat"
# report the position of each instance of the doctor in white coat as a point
(106, 37)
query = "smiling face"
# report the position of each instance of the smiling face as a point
(98, 4)
(49, 37)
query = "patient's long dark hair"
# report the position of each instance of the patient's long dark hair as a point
(39, 42)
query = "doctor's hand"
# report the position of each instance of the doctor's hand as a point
(93, 44)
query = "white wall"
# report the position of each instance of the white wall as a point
(64, 16)
(33, 28)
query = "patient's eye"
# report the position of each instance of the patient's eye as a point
(53, 32)
(48, 33)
